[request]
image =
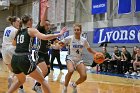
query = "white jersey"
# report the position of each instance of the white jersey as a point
(76, 47)
(9, 35)
(7, 47)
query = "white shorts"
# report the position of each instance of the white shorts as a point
(7, 53)
(75, 61)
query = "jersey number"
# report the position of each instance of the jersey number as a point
(7, 33)
(20, 39)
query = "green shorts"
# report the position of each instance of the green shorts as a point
(22, 63)
(43, 57)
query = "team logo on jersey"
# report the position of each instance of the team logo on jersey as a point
(77, 46)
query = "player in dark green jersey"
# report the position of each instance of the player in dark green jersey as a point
(43, 56)
(22, 63)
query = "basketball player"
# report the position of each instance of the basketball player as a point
(7, 47)
(22, 63)
(43, 60)
(74, 59)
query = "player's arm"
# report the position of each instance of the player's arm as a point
(35, 33)
(65, 41)
(14, 42)
(89, 49)
(42, 23)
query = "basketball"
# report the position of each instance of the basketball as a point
(99, 58)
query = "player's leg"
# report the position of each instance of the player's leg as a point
(37, 75)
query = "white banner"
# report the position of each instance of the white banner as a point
(70, 10)
(51, 11)
(35, 13)
(60, 8)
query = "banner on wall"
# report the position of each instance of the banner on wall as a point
(124, 6)
(137, 8)
(35, 13)
(122, 34)
(99, 6)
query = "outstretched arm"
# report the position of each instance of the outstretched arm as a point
(35, 33)
(43, 18)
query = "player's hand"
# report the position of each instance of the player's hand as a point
(64, 29)
(45, 3)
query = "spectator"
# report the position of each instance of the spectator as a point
(133, 59)
(107, 60)
(116, 57)
(136, 62)
(125, 60)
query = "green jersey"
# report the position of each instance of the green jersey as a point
(24, 42)
(45, 44)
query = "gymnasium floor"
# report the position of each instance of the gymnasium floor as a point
(95, 83)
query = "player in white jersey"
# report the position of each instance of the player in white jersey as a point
(8, 37)
(74, 59)
(7, 47)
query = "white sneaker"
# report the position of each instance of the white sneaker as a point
(138, 75)
(37, 89)
(64, 89)
(127, 73)
(10, 81)
(21, 90)
(73, 85)
(133, 74)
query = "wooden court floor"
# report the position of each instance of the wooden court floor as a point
(95, 83)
